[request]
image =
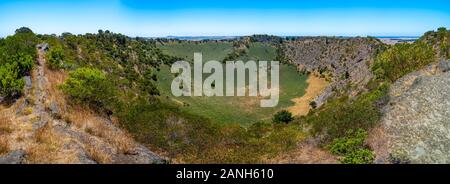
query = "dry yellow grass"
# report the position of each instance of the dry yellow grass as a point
(315, 86)
(120, 140)
(45, 146)
(27, 111)
(123, 143)
(5, 129)
(55, 78)
(44, 134)
(98, 155)
(5, 124)
(48, 148)
(4, 145)
(304, 154)
(86, 120)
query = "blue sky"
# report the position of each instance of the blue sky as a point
(227, 18)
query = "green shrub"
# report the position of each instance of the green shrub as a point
(55, 58)
(348, 144)
(362, 156)
(10, 82)
(24, 63)
(402, 59)
(283, 116)
(90, 86)
(313, 104)
(352, 148)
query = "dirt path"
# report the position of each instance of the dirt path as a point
(39, 90)
(315, 86)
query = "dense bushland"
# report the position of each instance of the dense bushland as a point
(17, 54)
(402, 59)
(439, 40)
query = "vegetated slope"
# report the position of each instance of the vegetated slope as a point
(41, 127)
(343, 61)
(439, 40)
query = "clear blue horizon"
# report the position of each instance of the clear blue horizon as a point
(226, 18)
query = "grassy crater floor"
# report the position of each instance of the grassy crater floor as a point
(242, 110)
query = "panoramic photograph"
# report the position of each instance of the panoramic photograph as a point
(224, 82)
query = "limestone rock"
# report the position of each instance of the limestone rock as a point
(15, 157)
(417, 120)
(444, 66)
(54, 110)
(28, 83)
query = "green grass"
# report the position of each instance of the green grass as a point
(210, 50)
(260, 52)
(242, 110)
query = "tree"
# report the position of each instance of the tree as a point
(22, 42)
(24, 30)
(283, 116)
(16, 60)
(89, 85)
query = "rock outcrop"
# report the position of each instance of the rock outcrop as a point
(416, 123)
(15, 157)
(344, 61)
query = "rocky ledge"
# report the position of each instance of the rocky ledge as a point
(343, 61)
(416, 123)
